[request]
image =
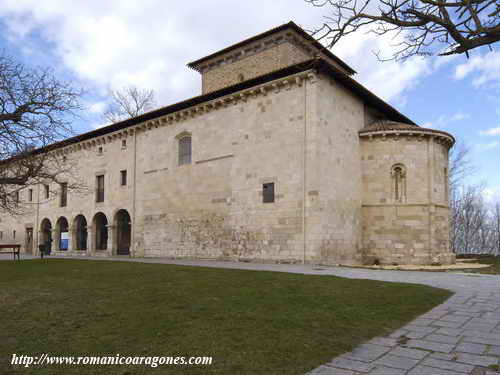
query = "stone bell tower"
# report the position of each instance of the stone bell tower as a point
(275, 49)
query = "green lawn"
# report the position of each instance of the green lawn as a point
(250, 322)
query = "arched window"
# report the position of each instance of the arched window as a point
(398, 174)
(185, 149)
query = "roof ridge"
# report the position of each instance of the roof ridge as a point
(290, 24)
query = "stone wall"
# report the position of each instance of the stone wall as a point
(414, 229)
(334, 190)
(277, 57)
(211, 208)
(262, 56)
(333, 216)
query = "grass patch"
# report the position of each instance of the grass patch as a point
(485, 259)
(250, 322)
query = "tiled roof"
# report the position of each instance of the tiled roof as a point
(389, 125)
(382, 125)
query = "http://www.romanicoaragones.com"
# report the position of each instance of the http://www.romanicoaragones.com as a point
(45, 359)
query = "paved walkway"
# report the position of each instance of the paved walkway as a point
(461, 336)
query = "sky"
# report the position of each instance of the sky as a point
(103, 45)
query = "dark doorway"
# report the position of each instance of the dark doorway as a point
(29, 240)
(123, 232)
(46, 234)
(62, 234)
(80, 234)
(101, 231)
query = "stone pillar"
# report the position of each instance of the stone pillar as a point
(70, 239)
(90, 241)
(55, 239)
(111, 247)
(38, 242)
(53, 234)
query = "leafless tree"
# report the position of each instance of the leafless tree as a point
(468, 219)
(475, 221)
(129, 102)
(496, 228)
(427, 27)
(460, 164)
(36, 110)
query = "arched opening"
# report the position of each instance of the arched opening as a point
(100, 225)
(46, 234)
(123, 232)
(398, 173)
(62, 228)
(80, 233)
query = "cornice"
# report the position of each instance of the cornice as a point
(419, 134)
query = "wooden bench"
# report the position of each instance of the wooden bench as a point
(14, 249)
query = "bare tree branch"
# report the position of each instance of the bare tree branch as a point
(129, 102)
(36, 110)
(460, 165)
(443, 27)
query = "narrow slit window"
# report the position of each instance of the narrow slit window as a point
(268, 192)
(124, 143)
(185, 150)
(47, 191)
(64, 194)
(398, 174)
(30, 195)
(99, 188)
(123, 178)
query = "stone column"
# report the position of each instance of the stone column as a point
(90, 241)
(53, 236)
(38, 242)
(55, 239)
(111, 247)
(70, 240)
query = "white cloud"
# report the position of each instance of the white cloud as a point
(97, 125)
(97, 107)
(492, 194)
(491, 131)
(389, 79)
(487, 146)
(445, 120)
(113, 43)
(440, 61)
(485, 67)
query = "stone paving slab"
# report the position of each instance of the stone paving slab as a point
(467, 347)
(461, 336)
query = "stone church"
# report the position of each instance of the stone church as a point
(284, 157)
